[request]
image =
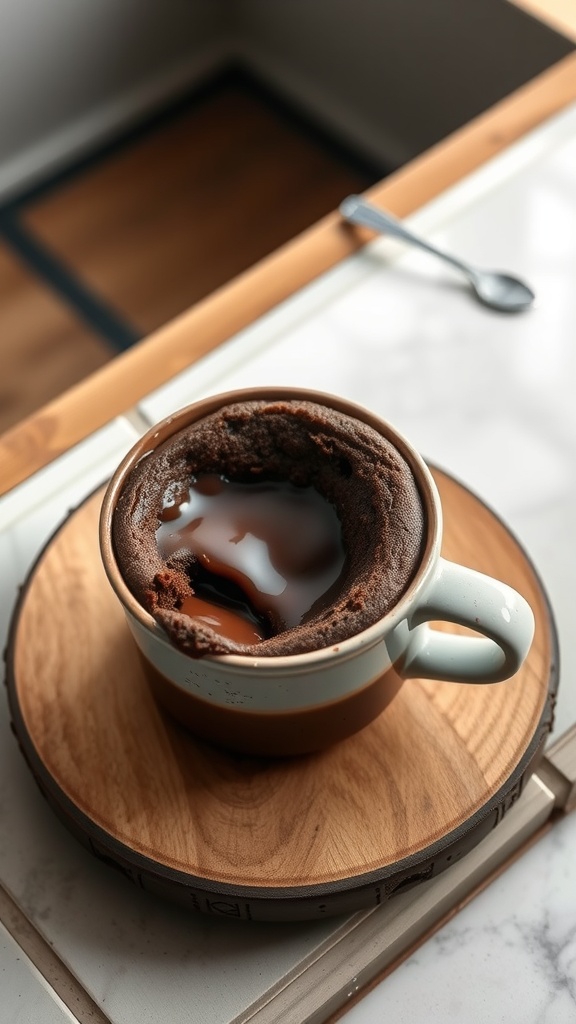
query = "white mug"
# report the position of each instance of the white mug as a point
(302, 702)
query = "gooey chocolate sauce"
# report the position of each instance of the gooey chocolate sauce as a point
(266, 552)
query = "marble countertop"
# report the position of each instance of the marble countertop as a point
(488, 397)
(508, 956)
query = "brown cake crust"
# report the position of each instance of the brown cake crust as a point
(362, 474)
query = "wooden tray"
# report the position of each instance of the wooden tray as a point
(267, 839)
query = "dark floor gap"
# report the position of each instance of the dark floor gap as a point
(92, 310)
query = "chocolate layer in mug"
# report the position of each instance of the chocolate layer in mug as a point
(353, 467)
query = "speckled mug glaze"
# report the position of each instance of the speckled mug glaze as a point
(303, 702)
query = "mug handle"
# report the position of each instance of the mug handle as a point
(462, 595)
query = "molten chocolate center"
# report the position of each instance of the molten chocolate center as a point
(267, 551)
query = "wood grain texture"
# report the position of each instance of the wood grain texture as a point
(44, 349)
(115, 388)
(558, 14)
(438, 758)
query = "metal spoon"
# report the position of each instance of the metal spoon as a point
(498, 290)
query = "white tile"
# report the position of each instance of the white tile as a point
(25, 997)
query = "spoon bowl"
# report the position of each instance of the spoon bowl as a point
(501, 291)
(497, 290)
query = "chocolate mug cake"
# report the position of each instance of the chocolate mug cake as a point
(269, 528)
(277, 554)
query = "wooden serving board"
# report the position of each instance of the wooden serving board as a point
(267, 839)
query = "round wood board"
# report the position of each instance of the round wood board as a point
(267, 839)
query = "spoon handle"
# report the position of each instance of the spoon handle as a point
(359, 211)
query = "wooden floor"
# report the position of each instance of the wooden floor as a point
(156, 225)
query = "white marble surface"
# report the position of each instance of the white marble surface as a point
(488, 397)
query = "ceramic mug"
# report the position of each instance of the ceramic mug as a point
(303, 702)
